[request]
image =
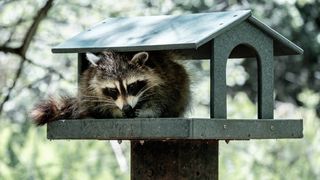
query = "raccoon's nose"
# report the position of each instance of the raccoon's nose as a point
(128, 111)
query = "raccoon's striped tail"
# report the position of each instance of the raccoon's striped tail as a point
(53, 109)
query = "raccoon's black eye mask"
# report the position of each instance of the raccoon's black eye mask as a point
(111, 92)
(132, 89)
(136, 87)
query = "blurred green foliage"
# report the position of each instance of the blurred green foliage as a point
(29, 72)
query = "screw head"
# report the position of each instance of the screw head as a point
(272, 127)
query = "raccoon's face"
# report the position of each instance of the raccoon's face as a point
(125, 81)
(126, 93)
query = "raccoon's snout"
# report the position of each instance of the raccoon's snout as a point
(128, 111)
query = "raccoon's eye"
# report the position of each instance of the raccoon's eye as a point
(112, 92)
(134, 88)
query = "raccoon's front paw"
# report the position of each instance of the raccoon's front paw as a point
(137, 112)
(117, 113)
(147, 113)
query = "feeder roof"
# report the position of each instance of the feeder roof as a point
(153, 33)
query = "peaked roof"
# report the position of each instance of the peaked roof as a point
(166, 33)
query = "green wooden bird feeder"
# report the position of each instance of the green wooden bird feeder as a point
(184, 148)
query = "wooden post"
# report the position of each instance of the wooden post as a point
(180, 159)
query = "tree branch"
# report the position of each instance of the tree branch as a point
(17, 76)
(42, 13)
(6, 49)
(21, 51)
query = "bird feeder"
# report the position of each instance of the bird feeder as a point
(185, 148)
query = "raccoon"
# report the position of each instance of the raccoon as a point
(123, 85)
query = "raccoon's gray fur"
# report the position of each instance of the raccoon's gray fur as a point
(123, 85)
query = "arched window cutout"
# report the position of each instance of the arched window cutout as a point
(242, 83)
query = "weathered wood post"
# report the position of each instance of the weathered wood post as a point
(177, 147)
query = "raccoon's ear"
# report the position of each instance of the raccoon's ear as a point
(140, 58)
(93, 58)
